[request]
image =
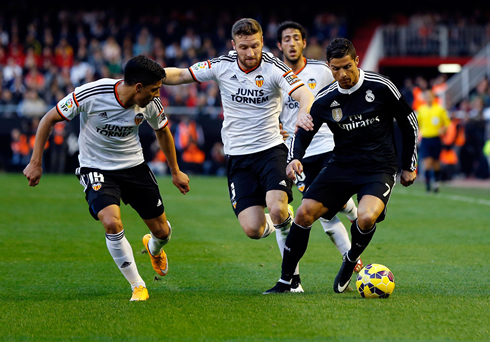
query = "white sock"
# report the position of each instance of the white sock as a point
(122, 253)
(269, 226)
(155, 244)
(336, 231)
(282, 231)
(350, 210)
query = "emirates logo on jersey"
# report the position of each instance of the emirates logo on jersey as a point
(259, 80)
(138, 118)
(312, 83)
(337, 114)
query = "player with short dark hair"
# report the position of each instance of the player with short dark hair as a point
(111, 159)
(359, 109)
(291, 40)
(251, 83)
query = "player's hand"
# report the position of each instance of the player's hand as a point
(304, 121)
(181, 181)
(283, 132)
(293, 168)
(33, 173)
(408, 177)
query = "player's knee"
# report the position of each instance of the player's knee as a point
(366, 220)
(278, 213)
(112, 225)
(253, 232)
(304, 217)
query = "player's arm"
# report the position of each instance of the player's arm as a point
(300, 142)
(167, 144)
(177, 76)
(408, 124)
(305, 99)
(34, 170)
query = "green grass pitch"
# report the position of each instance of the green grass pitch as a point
(59, 283)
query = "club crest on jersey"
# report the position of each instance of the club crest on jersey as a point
(337, 114)
(96, 186)
(312, 83)
(369, 96)
(301, 186)
(138, 118)
(259, 80)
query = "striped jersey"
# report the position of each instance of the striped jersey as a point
(109, 137)
(251, 100)
(361, 120)
(316, 75)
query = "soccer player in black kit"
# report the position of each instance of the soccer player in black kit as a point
(359, 109)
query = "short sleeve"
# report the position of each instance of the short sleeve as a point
(155, 115)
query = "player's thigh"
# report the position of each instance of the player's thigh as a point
(272, 171)
(140, 190)
(309, 211)
(102, 189)
(380, 186)
(245, 190)
(252, 220)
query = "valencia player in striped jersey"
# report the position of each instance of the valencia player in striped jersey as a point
(291, 40)
(359, 108)
(111, 159)
(251, 84)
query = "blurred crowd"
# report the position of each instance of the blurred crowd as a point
(45, 58)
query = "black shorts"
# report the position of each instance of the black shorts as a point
(136, 186)
(335, 185)
(430, 147)
(251, 176)
(311, 168)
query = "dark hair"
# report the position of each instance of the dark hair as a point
(290, 24)
(339, 48)
(245, 27)
(141, 69)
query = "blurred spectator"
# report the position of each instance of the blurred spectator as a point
(64, 54)
(407, 89)
(11, 71)
(314, 50)
(34, 79)
(21, 152)
(81, 72)
(9, 106)
(418, 90)
(144, 40)
(188, 139)
(217, 164)
(57, 149)
(32, 106)
(190, 40)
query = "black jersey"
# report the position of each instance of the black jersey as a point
(361, 120)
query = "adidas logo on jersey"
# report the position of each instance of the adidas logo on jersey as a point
(283, 183)
(334, 103)
(103, 115)
(234, 78)
(159, 202)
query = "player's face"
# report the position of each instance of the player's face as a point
(292, 45)
(345, 71)
(249, 50)
(146, 94)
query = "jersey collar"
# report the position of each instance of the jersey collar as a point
(354, 88)
(304, 66)
(249, 71)
(117, 96)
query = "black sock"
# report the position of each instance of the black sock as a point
(360, 240)
(437, 176)
(427, 179)
(296, 244)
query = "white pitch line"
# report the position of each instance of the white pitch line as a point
(456, 198)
